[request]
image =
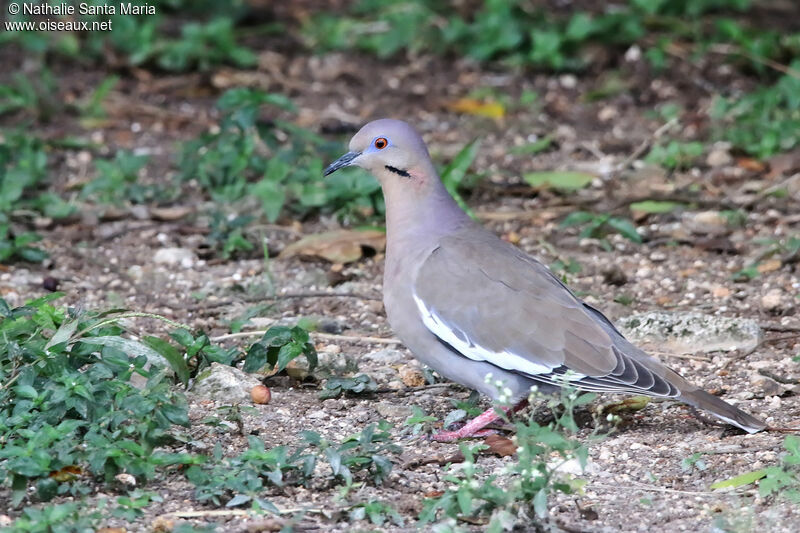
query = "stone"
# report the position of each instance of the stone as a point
(705, 223)
(719, 157)
(175, 256)
(387, 356)
(691, 332)
(392, 410)
(773, 300)
(224, 384)
(768, 386)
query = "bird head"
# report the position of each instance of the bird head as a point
(388, 149)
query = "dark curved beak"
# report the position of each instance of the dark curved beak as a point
(345, 161)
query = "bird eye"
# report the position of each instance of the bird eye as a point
(381, 143)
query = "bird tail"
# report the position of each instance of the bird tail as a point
(722, 410)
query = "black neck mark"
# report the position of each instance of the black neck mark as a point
(398, 171)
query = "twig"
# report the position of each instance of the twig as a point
(323, 336)
(682, 356)
(780, 328)
(729, 49)
(284, 296)
(632, 485)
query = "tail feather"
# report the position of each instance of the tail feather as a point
(722, 410)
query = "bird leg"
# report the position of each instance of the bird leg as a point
(475, 427)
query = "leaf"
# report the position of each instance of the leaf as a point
(453, 417)
(340, 246)
(577, 218)
(454, 173)
(540, 503)
(131, 347)
(464, 500)
(272, 198)
(287, 353)
(175, 358)
(563, 180)
(741, 480)
(655, 206)
(625, 228)
(501, 446)
(472, 106)
(239, 499)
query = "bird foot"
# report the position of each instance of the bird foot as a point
(477, 426)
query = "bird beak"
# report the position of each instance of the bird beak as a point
(345, 161)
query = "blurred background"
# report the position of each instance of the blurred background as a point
(234, 107)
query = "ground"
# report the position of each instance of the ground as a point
(636, 480)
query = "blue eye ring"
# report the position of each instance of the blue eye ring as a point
(380, 143)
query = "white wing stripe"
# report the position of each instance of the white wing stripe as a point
(467, 348)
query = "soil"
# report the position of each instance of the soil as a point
(637, 482)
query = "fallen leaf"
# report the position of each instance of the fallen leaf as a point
(564, 180)
(471, 106)
(434, 494)
(68, 473)
(748, 163)
(340, 246)
(499, 445)
(168, 214)
(655, 206)
(738, 481)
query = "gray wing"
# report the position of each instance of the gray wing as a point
(491, 302)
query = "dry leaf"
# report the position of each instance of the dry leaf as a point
(168, 214)
(340, 246)
(748, 163)
(68, 473)
(499, 445)
(411, 376)
(634, 403)
(434, 494)
(471, 106)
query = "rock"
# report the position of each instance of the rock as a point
(614, 275)
(768, 386)
(175, 256)
(691, 332)
(328, 364)
(705, 223)
(387, 356)
(773, 300)
(719, 157)
(392, 410)
(224, 384)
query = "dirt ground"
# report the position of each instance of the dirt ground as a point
(636, 481)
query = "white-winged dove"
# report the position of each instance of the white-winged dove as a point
(471, 305)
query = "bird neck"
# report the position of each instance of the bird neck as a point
(419, 212)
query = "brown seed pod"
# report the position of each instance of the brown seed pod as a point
(260, 394)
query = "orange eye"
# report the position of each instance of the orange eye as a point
(381, 143)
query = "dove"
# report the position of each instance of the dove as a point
(483, 313)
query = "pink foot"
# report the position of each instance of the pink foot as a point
(475, 427)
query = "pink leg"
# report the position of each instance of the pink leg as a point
(475, 427)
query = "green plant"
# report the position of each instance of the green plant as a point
(240, 480)
(363, 452)
(61, 518)
(118, 180)
(454, 175)
(599, 225)
(521, 493)
(248, 157)
(377, 512)
(763, 122)
(674, 154)
(337, 386)
(67, 404)
(278, 347)
(781, 480)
